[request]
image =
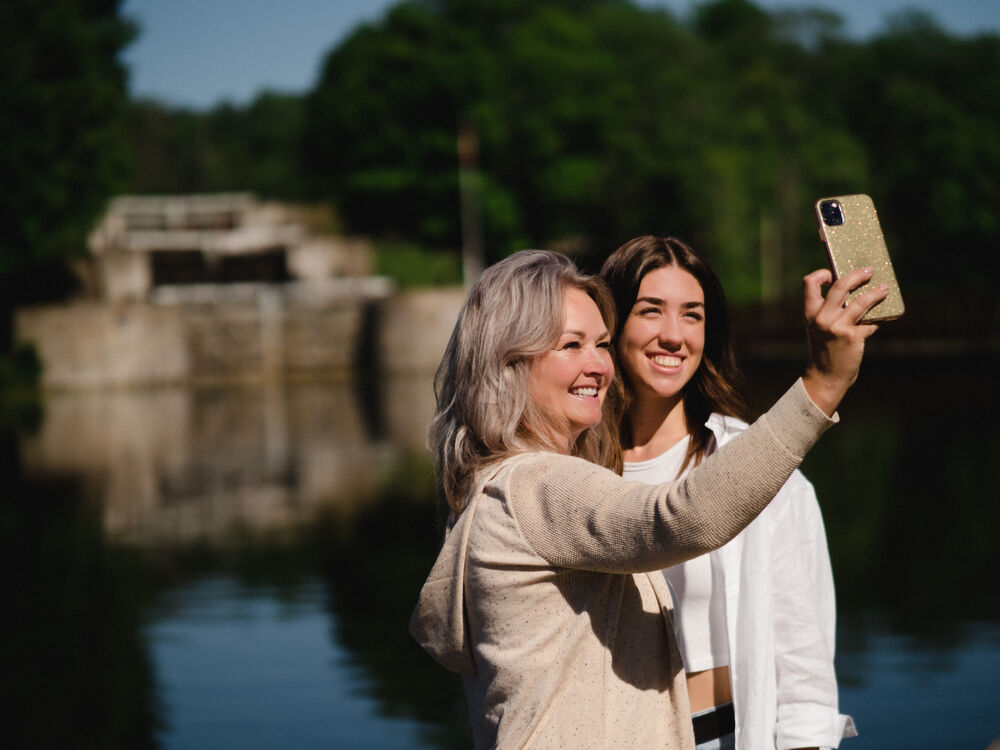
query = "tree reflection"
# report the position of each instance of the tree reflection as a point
(76, 670)
(907, 488)
(374, 570)
(908, 485)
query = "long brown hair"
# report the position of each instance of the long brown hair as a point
(717, 384)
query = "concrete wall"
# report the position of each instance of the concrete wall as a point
(248, 332)
(414, 328)
(177, 464)
(91, 344)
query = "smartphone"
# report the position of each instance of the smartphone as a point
(850, 230)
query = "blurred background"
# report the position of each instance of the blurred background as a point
(233, 242)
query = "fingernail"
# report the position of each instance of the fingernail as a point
(883, 287)
(869, 270)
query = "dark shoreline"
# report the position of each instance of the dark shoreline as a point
(969, 330)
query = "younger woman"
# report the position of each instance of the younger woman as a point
(755, 618)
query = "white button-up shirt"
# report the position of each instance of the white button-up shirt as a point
(780, 618)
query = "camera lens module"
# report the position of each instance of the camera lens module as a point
(833, 215)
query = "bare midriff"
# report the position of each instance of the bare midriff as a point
(709, 688)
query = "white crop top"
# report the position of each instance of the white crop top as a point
(699, 608)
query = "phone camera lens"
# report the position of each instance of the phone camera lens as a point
(832, 214)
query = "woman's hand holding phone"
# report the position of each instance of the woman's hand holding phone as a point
(835, 334)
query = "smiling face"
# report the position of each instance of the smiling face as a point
(571, 379)
(663, 338)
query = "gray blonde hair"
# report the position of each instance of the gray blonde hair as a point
(485, 411)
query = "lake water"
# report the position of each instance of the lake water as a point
(235, 567)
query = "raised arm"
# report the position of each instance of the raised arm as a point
(576, 514)
(582, 518)
(836, 338)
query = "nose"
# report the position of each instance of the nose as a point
(670, 331)
(599, 363)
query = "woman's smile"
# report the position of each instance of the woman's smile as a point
(571, 379)
(663, 338)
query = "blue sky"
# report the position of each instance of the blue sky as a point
(198, 53)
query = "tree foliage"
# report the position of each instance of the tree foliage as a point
(228, 148)
(926, 107)
(63, 94)
(598, 120)
(595, 121)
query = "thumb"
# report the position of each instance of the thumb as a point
(812, 290)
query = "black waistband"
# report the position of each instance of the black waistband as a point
(714, 723)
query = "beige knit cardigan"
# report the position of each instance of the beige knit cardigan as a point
(541, 600)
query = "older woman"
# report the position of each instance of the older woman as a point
(546, 596)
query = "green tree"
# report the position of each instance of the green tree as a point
(380, 132)
(537, 83)
(597, 120)
(227, 148)
(926, 106)
(168, 149)
(64, 93)
(767, 158)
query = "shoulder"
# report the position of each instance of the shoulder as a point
(795, 513)
(545, 469)
(725, 428)
(797, 490)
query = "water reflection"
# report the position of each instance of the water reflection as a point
(909, 488)
(183, 465)
(251, 667)
(76, 668)
(274, 525)
(236, 566)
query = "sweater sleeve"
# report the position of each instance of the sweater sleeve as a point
(578, 515)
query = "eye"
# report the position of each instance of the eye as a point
(604, 345)
(571, 345)
(648, 312)
(694, 315)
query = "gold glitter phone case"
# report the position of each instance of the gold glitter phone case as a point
(850, 230)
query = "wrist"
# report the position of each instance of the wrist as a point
(825, 391)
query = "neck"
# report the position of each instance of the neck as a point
(657, 424)
(559, 441)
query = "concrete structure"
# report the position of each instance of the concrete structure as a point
(205, 334)
(146, 242)
(212, 288)
(413, 328)
(238, 317)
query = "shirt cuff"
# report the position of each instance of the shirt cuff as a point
(812, 725)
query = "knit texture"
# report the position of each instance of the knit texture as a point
(540, 599)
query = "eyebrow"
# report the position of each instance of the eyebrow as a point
(583, 335)
(660, 302)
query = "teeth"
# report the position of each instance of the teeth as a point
(584, 391)
(667, 361)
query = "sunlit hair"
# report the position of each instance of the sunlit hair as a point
(717, 384)
(485, 412)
